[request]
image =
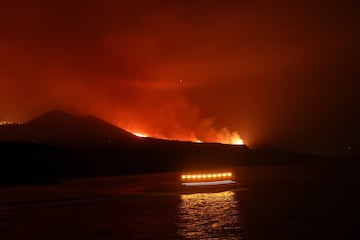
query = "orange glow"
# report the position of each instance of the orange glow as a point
(187, 71)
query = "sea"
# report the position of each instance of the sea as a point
(312, 201)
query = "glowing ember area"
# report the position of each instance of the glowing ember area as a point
(206, 176)
(140, 135)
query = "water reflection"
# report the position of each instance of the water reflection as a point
(210, 216)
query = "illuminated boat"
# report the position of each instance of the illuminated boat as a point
(202, 181)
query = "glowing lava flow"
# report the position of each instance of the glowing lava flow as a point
(237, 141)
(140, 135)
(233, 139)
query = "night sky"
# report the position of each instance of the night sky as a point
(279, 73)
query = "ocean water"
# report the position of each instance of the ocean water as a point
(282, 202)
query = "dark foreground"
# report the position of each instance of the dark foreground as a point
(294, 202)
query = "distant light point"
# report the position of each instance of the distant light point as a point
(10, 123)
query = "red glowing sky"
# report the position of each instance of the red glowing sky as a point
(275, 72)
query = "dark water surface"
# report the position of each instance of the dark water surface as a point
(298, 202)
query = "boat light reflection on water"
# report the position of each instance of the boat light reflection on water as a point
(209, 216)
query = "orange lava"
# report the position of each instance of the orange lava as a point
(142, 135)
(234, 139)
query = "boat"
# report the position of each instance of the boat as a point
(207, 181)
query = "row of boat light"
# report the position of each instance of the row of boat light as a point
(204, 176)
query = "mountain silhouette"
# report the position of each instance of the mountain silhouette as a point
(61, 127)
